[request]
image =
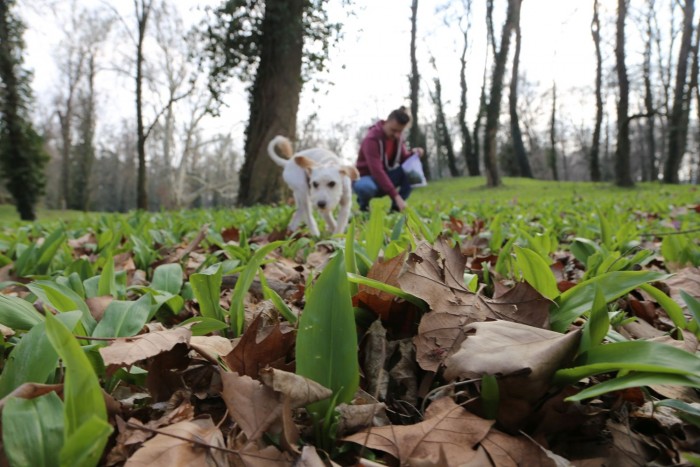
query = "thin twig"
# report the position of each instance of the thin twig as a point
(88, 338)
(189, 440)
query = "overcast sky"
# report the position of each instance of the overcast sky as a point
(369, 68)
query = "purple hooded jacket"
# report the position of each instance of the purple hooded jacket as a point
(372, 158)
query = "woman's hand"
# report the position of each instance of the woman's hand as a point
(400, 203)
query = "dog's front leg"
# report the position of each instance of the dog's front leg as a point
(304, 205)
(343, 214)
(330, 221)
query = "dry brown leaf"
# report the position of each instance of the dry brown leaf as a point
(300, 391)
(382, 303)
(31, 391)
(439, 335)
(269, 456)
(252, 405)
(98, 305)
(310, 458)
(526, 356)
(447, 428)
(211, 347)
(257, 349)
(357, 417)
(289, 438)
(375, 348)
(511, 451)
(6, 331)
(127, 351)
(503, 348)
(521, 303)
(168, 451)
(436, 275)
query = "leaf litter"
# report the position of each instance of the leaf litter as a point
(211, 400)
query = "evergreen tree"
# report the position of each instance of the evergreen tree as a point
(22, 154)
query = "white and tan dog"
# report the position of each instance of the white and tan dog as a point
(318, 179)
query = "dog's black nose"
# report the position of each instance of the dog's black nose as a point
(321, 204)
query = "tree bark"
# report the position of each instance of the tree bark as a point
(594, 163)
(443, 133)
(493, 178)
(22, 157)
(416, 137)
(651, 168)
(86, 147)
(471, 159)
(518, 147)
(552, 153)
(143, 9)
(623, 177)
(274, 99)
(677, 128)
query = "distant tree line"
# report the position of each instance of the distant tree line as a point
(164, 157)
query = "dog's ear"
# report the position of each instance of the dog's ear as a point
(350, 171)
(305, 163)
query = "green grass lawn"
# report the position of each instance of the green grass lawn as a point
(9, 216)
(471, 192)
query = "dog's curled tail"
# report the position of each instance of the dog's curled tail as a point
(285, 147)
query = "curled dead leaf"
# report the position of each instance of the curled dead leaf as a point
(252, 405)
(448, 430)
(211, 347)
(299, 390)
(127, 351)
(181, 445)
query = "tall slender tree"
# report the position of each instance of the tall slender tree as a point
(142, 10)
(442, 132)
(22, 155)
(416, 137)
(594, 162)
(493, 178)
(264, 42)
(552, 151)
(650, 167)
(623, 176)
(468, 154)
(677, 126)
(517, 136)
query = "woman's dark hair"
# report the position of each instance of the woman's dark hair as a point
(400, 115)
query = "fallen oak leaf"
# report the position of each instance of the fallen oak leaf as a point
(448, 430)
(299, 390)
(180, 445)
(526, 357)
(504, 347)
(127, 351)
(251, 354)
(254, 406)
(31, 391)
(211, 347)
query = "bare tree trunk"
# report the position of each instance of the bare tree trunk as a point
(623, 176)
(493, 178)
(143, 10)
(416, 137)
(65, 120)
(518, 147)
(274, 99)
(552, 156)
(86, 148)
(677, 127)
(441, 130)
(594, 165)
(651, 168)
(471, 159)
